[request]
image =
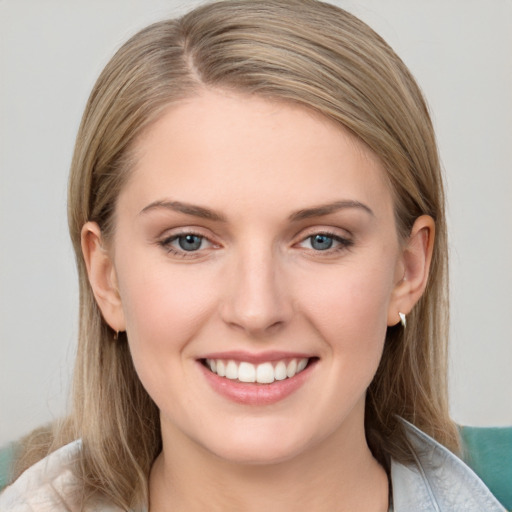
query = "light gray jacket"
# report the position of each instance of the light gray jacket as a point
(437, 482)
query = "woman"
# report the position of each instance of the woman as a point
(257, 212)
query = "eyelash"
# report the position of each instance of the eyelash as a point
(343, 244)
(166, 243)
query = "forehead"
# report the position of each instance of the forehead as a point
(219, 143)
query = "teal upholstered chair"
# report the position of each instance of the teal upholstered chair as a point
(487, 450)
(7, 457)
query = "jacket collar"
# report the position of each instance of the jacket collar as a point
(437, 481)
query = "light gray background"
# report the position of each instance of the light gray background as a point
(51, 53)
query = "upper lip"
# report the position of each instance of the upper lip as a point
(261, 357)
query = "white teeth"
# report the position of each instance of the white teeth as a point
(291, 368)
(232, 370)
(246, 372)
(264, 373)
(221, 369)
(280, 371)
(301, 365)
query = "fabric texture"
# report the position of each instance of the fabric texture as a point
(488, 452)
(437, 481)
(51, 485)
(8, 454)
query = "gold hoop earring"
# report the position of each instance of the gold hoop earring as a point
(403, 320)
(116, 335)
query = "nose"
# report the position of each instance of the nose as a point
(258, 299)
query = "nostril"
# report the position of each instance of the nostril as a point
(256, 299)
(257, 327)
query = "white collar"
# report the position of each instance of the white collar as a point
(437, 481)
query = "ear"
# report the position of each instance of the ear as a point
(415, 265)
(102, 276)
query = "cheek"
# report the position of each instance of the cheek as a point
(163, 306)
(350, 307)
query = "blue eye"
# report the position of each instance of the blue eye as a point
(189, 242)
(321, 242)
(326, 242)
(187, 245)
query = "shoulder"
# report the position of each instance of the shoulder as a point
(437, 480)
(49, 485)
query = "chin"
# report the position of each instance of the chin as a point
(261, 446)
(258, 455)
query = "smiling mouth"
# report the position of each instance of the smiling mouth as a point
(263, 373)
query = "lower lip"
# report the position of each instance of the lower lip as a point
(253, 393)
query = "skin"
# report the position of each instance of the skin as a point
(258, 284)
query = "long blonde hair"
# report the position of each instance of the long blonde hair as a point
(302, 51)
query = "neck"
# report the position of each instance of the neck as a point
(338, 475)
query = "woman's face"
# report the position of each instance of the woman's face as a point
(254, 238)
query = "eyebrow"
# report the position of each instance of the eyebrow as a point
(326, 209)
(206, 213)
(186, 208)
